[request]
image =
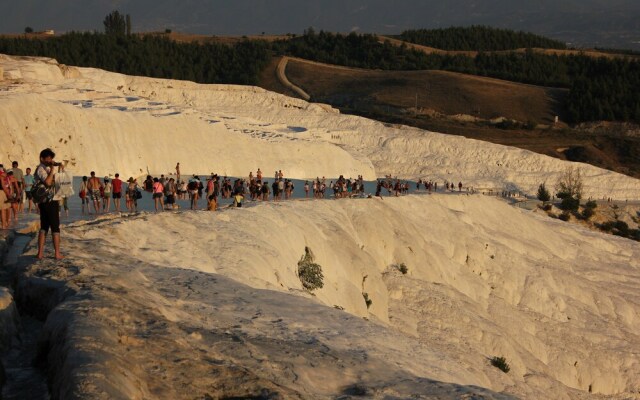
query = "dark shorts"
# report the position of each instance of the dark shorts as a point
(157, 195)
(28, 193)
(171, 199)
(117, 195)
(50, 216)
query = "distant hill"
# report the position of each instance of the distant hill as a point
(461, 104)
(590, 23)
(479, 38)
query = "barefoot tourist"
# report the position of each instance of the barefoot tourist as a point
(94, 191)
(28, 184)
(5, 204)
(116, 185)
(158, 194)
(49, 208)
(84, 195)
(18, 175)
(106, 195)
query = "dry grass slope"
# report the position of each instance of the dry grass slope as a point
(450, 102)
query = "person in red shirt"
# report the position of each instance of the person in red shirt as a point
(5, 203)
(116, 187)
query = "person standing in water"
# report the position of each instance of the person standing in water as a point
(158, 194)
(170, 190)
(29, 180)
(132, 195)
(15, 196)
(116, 185)
(178, 172)
(93, 191)
(18, 175)
(106, 198)
(49, 209)
(5, 204)
(84, 195)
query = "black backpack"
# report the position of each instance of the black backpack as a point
(41, 193)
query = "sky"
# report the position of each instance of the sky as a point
(587, 22)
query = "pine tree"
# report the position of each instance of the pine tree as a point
(115, 24)
(543, 193)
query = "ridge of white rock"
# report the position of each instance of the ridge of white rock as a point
(485, 279)
(110, 122)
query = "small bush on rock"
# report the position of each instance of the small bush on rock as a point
(501, 364)
(622, 227)
(310, 273)
(607, 226)
(402, 267)
(565, 216)
(543, 193)
(367, 300)
(587, 213)
(569, 204)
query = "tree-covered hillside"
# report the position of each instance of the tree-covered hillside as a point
(600, 89)
(478, 38)
(151, 56)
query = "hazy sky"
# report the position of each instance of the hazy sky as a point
(565, 19)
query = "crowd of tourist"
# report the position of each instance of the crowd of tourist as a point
(104, 195)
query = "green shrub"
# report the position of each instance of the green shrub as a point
(367, 300)
(570, 204)
(543, 193)
(310, 273)
(501, 364)
(607, 226)
(402, 267)
(622, 227)
(565, 216)
(591, 204)
(588, 212)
